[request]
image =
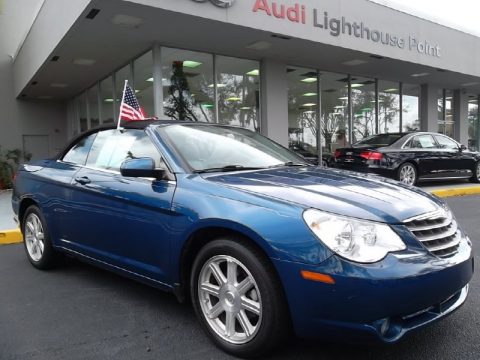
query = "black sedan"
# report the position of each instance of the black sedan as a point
(411, 157)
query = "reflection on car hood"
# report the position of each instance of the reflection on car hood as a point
(341, 192)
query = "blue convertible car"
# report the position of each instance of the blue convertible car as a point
(260, 241)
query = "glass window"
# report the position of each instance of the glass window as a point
(423, 142)
(410, 110)
(446, 143)
(82, 112)
(363, 103)
(445, 112)
(449, 123)
(215, 147)
(302, 111)
(380, 140)
(93, 112)
(188, 90)
(106, 95)
(143, 77)
(473, 122)
(334, 125)
(120, 77)
(79, 152)
(238, 87)
(111, 148)
(388, 106)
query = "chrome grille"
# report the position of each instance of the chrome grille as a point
(437, 231)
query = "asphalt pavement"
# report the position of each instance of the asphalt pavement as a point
(81, 312)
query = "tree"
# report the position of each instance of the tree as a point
(180, 103)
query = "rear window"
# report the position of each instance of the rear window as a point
(380, 140)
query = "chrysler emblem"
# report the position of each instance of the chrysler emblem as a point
(219, 3)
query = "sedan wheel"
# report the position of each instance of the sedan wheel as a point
(37, 243)
(34, 237)
(238, 298)
(230, 299)
(407, 173)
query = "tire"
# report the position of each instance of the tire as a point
(37, 241)
(407, 173)
(476, 173)
(259, 317)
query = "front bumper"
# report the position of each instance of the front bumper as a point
(382, 301)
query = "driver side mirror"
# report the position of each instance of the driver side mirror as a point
(463, 148)
(141, 167)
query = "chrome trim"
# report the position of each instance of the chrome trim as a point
(441, 239)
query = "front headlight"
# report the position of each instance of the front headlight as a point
(357, 240)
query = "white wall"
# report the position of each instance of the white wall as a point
(19, 117)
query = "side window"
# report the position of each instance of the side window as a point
(446, 143)
(79, 152)
(112, 147)
(408, 145)
(423, 142)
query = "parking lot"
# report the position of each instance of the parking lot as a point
(81, 312)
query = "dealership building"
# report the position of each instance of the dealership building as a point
(302, 72)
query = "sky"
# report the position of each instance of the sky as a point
(459, 14)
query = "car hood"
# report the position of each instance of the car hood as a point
(346, 193)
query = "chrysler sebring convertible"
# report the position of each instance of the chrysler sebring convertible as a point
(263, 244)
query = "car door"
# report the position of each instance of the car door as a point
(456, 162)
(58, 189)
(424, 150)
(123, 221)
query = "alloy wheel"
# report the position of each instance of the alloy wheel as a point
(407, 174)
(230, 299)
(34, 237)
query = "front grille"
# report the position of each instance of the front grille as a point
(437, 231)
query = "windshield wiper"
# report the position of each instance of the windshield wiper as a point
(227, 168)
(291, 164)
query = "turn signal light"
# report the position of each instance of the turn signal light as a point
(337, 154)
(371, 155)
(310, 275)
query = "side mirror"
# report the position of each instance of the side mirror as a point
(141, 167)
(463, 148)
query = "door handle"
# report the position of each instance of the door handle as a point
(83, 180)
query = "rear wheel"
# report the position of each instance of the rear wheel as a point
(37, 242)
(476, 173)
(237, 298)
(407, 174)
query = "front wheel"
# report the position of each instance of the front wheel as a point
(407, 174)
(476, 173)
(237, 298)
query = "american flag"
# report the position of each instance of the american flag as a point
(129, 108)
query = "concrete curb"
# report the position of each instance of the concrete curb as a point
(445, 193)
(10, 237)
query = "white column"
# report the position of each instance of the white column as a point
(460, 116)
(429, 108)
(274, 100)
(157, 82)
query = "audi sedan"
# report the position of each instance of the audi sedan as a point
(411, 157)
(259, 241)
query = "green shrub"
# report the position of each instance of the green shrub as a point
(9, 162)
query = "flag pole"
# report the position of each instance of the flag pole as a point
(121, 104)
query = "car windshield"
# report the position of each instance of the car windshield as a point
(222, 148)
(380, 140)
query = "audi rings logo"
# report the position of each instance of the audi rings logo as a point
(220, 3)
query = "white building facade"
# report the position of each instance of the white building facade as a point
(305, 73)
